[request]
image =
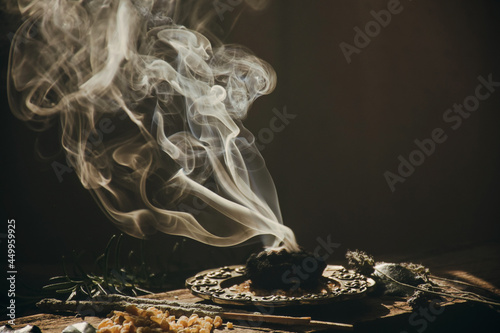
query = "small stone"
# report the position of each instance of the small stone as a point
(82, 327)
(25, 329)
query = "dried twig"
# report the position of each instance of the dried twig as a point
(102, 308)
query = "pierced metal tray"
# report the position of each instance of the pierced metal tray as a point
(229, 285)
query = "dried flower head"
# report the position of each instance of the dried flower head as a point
(419, 270)
(360, 261)
(420, 298)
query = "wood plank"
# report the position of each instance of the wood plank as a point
(463, 264)
(352, 312)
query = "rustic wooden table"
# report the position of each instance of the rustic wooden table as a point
(477, 265)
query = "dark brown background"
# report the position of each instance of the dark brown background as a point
(352, 121)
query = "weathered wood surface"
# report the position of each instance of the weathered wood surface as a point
(353, 312)
(478, 266)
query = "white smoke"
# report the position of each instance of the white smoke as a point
(80, 61)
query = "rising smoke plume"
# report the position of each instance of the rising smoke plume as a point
(176, 104)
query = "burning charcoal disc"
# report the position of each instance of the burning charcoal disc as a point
(284, 270)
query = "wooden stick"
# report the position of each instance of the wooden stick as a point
(338, 326)
(285, 320)
(272, 319)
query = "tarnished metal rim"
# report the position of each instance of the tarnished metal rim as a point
(215, 285)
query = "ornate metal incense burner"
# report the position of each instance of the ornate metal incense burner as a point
(229, 285)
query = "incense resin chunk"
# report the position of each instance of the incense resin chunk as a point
(153, 320)
(284, 270)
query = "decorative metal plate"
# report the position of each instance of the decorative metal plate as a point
(229, 285)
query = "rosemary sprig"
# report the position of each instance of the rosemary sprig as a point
(132, 279)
